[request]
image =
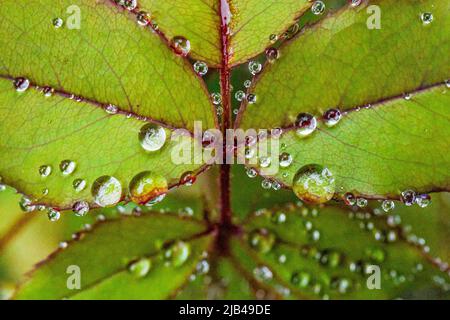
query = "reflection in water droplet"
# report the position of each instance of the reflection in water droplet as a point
(314, 184)
(178, 253)
(152, 137)
(251, 98)
(251, 173)
(247, 83)
(266, 184)
(129, 4)
(140, 268)
(146, 186)
(107, 191)
(216, 98)
(361, 202)
(349, 199)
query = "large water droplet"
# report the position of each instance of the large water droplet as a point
(178, 253)
(141, 267)
(152, 137)
(21, 84)
(181, 45)
(305, 124)
(107, 191)
(262, 240)
(216, 98)
(314, 184)
(146, 186)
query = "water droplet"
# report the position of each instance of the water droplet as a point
(143, 18)
(408, 197)
(58, 23)
(318, 7)
(216, 98)
(387, 205)
(251, 98)
(285, 160)
(21, 84)
(273, 38)
(254, 67)
(239, 95)
(355, 3)
(291, 31)
(349, 199)
(202, 267)
(67, 167)
(141, 267)
(247, 83)
(45, 170)
(188, 178)
(278, 217)
(282, 258)
(25, 204)
(266, 184)
(201, 68)
(426, 17)
(2, 187)
(263, 273)
(343, 285)
(407, 96)
(423, 200)
(130, 4)
(111, 109)
(178, 253)
(361, 202)
(272, 54)
(53, 215)
(146, 186)
(107, 191)
(79, 185)
(276, 185)
(447, 83)
(315, 235)
(306, 124)
(332, 117)
(152, 137)
(81, 208)
(264, 162)
(63, 245)
(301, 279)
(181, 45)
(251, 172)
(314, 184)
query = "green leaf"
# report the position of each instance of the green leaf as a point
(381, 151)
(340, 63)
(252, 23)
(105, 255)
(323, 252)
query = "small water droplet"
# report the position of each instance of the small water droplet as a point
(361, 202)
(111, 109)
(276, 185)
(107, 191)
(67, 167)
(388, 205)
(408, 197)
(201, 68)
(272, 54)
(423, 200)
(79, 185)
(188, 178)
(247, 83)
(273, 38)
(305, 124)
(143, 18)
(53, 215)
(318, 7)
(349, 199)
(301, 279)
(216, 98)
(202, 267)
(239, 95)
(254, 67)
(251, 98)
(264, 162)
(332, 117)
(278, 217)
(45, 170)
(285, 159)
(178, 253)
(58, 23)
(314, 184)
(146, 186)
(263, 273)
(130, 4)
(140, 268)
(266, 184)
(251, 172)
(355, 3)
(81, 208)
(152, 137)
(48, 91)
(181, 45)
(426, 17)
(21, 84)
(63, 245)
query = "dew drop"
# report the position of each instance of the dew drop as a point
(140, 268)
(152, 137)
(355, 3)
(285, 160)
(301, 279)
(181, 45)
(272, 54)
(361, 202)
(143, 18)
(447, 83)
(67, 167)
(58, 23)
(239, 95)
(423, 200)
(111, 109)
(273, 38)
(265, 162)
(25, 204)
(349, 199)
(247, 83)
(146, 186)
(202, 267)
(21, 84)
(130, 4)
(266, 184)
(107, 191)
(426, 17)
(332, 117)
(263, 273)
(156, 200)
(79, 185)
(251, 173)
(201, 68)
(53, 215)
(276, 185)
(63, 245)
(254, 67)
(314, 184)
(251, 98)
(305, 124)
(388, 205)
(178, 253)
(408, 197)
(216, 98)
(81, 208)
(318, 7)
(48, 91)
(278, 217)
(188, 178)
(45, 170)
